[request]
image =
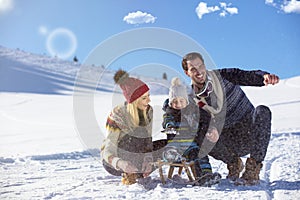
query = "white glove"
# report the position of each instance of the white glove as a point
(212, 135)
(126, 166)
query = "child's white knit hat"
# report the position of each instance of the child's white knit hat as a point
(177, 90)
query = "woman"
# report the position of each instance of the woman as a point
(127, 149)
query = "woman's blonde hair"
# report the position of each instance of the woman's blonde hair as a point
(132, 109)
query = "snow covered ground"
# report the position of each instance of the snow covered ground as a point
(44, 156)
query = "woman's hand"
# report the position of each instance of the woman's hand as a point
(212, 135)
(126, 166)
(147, 166)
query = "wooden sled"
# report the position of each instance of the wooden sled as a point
(187, 166)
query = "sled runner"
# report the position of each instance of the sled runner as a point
(181, 165)
(206, 180)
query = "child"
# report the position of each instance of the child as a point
(184, 128)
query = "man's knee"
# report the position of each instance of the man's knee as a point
(263, 111)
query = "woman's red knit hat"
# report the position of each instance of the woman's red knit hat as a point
(132, 88)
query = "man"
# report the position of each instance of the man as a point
(243, 128)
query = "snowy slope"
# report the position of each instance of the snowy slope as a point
(26, 72)
(43, 156)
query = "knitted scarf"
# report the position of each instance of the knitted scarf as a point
(217, 88)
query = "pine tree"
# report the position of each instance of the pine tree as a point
(75, 59)
(165, 76)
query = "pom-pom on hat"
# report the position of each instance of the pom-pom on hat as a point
(132, 88)
(177, 90)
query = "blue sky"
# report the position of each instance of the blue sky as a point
(249, 34)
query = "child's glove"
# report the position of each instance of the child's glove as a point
(212, 135)
(171, 130)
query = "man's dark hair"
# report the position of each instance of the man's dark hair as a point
(190, 56)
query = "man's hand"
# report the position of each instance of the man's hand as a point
(126, 166)
(270, 79)
(212, 135)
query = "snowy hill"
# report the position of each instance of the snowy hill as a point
(44, 155)
(26, 72)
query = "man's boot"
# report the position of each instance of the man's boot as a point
(251, 174)
(234, 169)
